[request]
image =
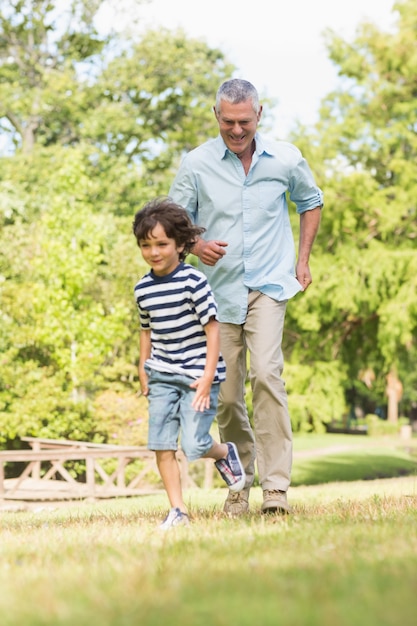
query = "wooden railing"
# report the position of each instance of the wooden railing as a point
(44, 475)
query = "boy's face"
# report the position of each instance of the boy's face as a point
(160, 252)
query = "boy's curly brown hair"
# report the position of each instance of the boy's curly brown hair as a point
(173, 218)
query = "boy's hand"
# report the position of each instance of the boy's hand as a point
(143, 380)
(201, 400)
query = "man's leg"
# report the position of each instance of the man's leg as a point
(232, 415)
(263, 332)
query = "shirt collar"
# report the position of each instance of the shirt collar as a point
(262, 146)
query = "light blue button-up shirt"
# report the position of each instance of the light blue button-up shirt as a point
(250, 213)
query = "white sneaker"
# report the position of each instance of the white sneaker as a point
(175, 517)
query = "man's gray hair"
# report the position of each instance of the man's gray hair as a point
(237, 90)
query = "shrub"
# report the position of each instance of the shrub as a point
(378, 427)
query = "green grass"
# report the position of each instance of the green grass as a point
(328, 440)
(351, 458)
(346, 556)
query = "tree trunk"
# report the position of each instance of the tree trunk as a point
(394, 391)
(29, 136)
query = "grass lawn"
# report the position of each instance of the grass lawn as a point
(346, 556)
(328, 458)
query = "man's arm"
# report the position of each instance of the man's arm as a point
(309, 225)
(183, 191)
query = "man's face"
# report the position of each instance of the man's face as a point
(237, 125)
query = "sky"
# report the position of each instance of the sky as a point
(276, 45)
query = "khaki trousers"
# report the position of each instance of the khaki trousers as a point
(257, 342)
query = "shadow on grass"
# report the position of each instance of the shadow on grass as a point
(369, 465)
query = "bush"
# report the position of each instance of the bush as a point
(378, 427)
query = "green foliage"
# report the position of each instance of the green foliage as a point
(97, 124)
(360, 313)
(123, 417)
(40, 46)
(62, 83)
(150, 97)
(315, 394)
(378, 427)
(66, 318)
(95, 134)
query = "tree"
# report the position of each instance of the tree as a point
(62, 82)
(153, 102)
(363, 313)
(63, 320)
(135, 107)
(90, 148)
(42, 47)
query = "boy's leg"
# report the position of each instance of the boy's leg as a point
(163, 433)
(217, 451)
(228, 464)
(196, 440)
(171, 477)
(230, 467)
(196, 431)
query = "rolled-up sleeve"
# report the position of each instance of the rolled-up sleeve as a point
(184, 190)
(302, 188)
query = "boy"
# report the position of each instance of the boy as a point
(180, 366)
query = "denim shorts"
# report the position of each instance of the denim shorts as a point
(172, 419)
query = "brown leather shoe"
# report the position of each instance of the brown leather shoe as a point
(237, 503)
(275, 501)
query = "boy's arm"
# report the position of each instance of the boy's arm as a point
(144, 354)
(202, 385)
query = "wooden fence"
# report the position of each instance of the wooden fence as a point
(108, 471)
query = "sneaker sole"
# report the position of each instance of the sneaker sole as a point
(270, 510)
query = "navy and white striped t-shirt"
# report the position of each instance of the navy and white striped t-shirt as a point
(175, 308)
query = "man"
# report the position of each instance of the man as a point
(235, 187)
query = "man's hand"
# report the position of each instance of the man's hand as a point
(309, 225)
(303, 275)
(209, 252)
